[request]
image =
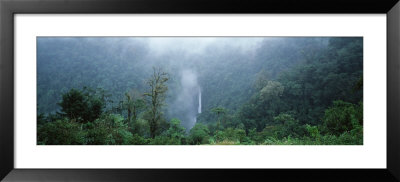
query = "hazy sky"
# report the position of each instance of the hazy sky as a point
(197, 45)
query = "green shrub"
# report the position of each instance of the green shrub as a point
(176, 132)
(81, 105)
(199, 134)
(342, 117)
(60, 132)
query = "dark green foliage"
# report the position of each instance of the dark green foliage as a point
(73, 104)
(96, 133)
(313, 132)
(118, 133)
(230, 135)
(41, 119)
(342, 117)
(218, 110)
(156, 98)
(176, 132)
(288, 126)
(139, 140)
(134, 103)
(108, 130)
(141, 127)
(287, 91)
(60, 132)
(199, 134)
(82, 106)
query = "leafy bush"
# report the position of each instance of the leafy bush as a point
(118, 133)
(108, 130)
(96, 133)
(230, 134)
(288, 127)
(60, 132)
(176, 132)
(81, 105)
(138, 140)
(199, 134)
(342, 117)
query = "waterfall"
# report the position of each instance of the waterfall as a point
(199, 108)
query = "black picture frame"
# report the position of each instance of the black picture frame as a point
(8, 8)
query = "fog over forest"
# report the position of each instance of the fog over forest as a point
(189, 61)
(243, 83)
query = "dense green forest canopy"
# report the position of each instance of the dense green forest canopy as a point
(200, 90)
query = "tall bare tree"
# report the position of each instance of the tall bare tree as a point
(156, 95)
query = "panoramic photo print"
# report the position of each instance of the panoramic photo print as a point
(199, 91)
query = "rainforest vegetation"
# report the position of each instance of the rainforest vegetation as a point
(199, 90)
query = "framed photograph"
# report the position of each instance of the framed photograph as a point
(130, 90)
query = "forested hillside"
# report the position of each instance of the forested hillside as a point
(200, 90)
